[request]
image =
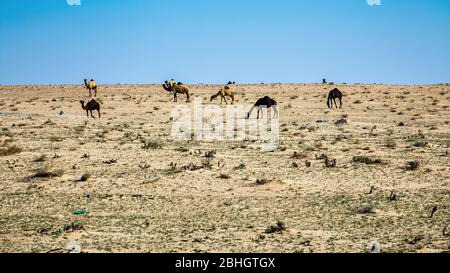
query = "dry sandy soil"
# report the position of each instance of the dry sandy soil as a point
(146, 192)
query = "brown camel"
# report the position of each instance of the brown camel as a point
(92, 105)
(176, 88)
(224, 92)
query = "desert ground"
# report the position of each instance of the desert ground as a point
(146, 192)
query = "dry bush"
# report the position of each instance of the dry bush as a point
(366, 160)
(44, 172)
(390, 143)
(151, 144)
(411, 165)
(298, 155)
(10, 150)
(224, 176)
(279, 227)
(263, 181)
(364, 209)
(41, 158)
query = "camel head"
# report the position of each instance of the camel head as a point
(168, 86)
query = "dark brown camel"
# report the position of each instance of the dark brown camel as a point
(265, 102)
(90, 106)
(332, 96)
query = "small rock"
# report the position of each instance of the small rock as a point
(373, 247)
(342, 121)
(73, 247)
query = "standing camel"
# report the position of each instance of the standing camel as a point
(175, 88)
(332, 96)
(266, 102)
(90, 106)
(91, 85)
(224, 92)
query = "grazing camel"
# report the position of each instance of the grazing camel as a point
(266, 102)
(332, 96)
(92, 105)
(175, 88)
(224, 92)
(91, 86)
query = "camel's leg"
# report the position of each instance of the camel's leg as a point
(232, 99)
(226, 102)
(340, 101)
(188, 97)
(260, 110)
(92, 115)
(275, 110)
(87, 113)
(99, 113)
(175, 97)
(221, 100)
(334, 99)
(250, 112)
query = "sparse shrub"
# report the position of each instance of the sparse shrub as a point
(411, 165)
(10, 150)
(151, 144)
(44, 172)
(181, 149)
(210, 154)
(240, 167)
(262, 181)
(41, 158)
(390, 143)
(365, 209)
(74, 226)
(330, 163)
(420, 143)
(298, 155)
(366, 160)
(6, 132)
(85, 177)
(224, 176)
(56, 139)
(279, 227)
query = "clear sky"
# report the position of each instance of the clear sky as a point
(214, 41)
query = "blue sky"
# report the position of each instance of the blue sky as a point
(214, 41)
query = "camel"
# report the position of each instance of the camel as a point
(175, 88)
(92, 105)
(224, 92)
(266, 102)
(332, 96)
(91, 86)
